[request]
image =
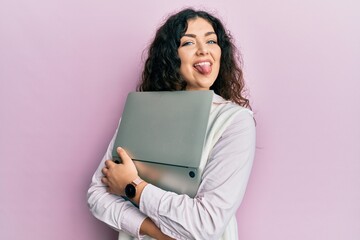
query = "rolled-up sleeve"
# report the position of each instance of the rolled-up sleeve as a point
(220, 193)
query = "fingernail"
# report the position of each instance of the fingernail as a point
(119, 148)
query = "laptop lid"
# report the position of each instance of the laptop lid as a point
(164, 133)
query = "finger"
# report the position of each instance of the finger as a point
(104, 170)
(105, 181)
(123, 155)
(109, 163)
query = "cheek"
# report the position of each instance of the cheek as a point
(183, 70)
(182, 60)
(218, 55)
(185, 65)
(218, 52)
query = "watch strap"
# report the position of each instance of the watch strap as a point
(137, 181)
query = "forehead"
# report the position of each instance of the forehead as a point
(199, 26)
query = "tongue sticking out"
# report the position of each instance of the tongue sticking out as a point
(203, 68)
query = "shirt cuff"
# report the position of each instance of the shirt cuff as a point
(150, 201)
(131, 221)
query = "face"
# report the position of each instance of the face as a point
(200, 55)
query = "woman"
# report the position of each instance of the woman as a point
(191, 51)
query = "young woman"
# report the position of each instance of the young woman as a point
(191, 51)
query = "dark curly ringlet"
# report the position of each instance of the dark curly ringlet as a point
(162, 67)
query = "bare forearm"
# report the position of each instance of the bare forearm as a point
(149, 228)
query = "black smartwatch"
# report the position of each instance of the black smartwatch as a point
(130, 189)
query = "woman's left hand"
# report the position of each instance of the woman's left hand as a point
(117, 176)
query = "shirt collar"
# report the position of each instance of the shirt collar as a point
(217, 99)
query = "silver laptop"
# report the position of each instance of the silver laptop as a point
(164, 133)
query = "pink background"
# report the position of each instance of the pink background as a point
(66, 67)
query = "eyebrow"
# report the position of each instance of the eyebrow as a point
(194, 36)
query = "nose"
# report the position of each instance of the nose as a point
(202, 49)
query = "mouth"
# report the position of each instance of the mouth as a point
(204, 67)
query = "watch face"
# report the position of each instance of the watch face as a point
(130, 191)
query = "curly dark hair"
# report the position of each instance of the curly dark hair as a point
(161, 71)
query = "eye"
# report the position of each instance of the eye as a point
(186, 43)
(212, 42)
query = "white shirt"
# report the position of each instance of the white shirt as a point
(207, 215)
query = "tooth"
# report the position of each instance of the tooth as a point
(202, 63)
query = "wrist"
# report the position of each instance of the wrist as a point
(130, 188)
(139, 191)
(134, 190)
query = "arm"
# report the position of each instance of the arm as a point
(149, 228)
(220, 193)
(115, 211)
